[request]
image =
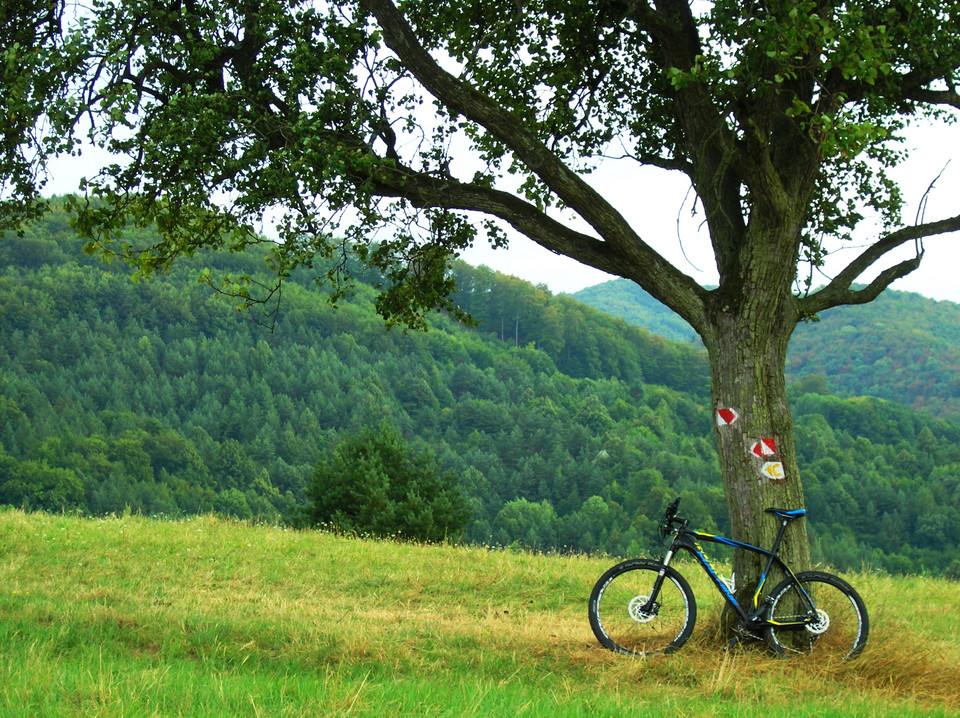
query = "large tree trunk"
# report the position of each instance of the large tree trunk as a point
(754, 430)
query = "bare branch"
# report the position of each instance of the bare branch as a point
(666, 163)
(922, 208)
(839, 290)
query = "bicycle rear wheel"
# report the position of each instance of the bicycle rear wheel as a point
(618, 597)
(840, 629)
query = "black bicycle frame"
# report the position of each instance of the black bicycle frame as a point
(686, 539)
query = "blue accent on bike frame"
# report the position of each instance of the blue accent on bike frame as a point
(756, 595)
(713, 574)
(730, 542)
(721, 586)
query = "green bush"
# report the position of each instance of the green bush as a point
(374, 483)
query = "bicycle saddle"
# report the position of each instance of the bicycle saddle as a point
(788, 514)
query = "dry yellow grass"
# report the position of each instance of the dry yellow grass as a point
(135, 617)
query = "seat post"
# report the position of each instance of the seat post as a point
(783, 528)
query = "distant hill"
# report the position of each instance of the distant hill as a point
(901, 347)
(627, 300)
(565, 427)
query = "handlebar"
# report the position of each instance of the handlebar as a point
(672, 509)
(670, 519)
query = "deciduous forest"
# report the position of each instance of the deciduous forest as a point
(567, 429)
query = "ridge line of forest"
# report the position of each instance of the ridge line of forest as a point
(902, 347)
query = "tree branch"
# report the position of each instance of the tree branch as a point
(423, 190)
(665, 163)
(839, 291)
(663, 280)
(711, 148)
(650, 20)
(465, 100)
(935, 97)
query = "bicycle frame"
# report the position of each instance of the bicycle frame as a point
(687, 539)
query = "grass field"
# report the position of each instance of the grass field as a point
(133, 617)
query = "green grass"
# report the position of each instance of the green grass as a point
(132, 617)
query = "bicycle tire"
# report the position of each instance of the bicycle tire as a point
(841, 630)
(621, 627)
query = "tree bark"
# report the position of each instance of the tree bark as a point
(747, 348)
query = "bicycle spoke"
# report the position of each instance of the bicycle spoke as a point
(623, 622)
(837, 630)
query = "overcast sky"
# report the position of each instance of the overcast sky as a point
(659, 207)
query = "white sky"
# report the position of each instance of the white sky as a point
(653, 201)
(658, 206)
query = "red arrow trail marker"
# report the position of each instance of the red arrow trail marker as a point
(725, 417)
(764, 447)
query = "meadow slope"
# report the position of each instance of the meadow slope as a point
(203, 617)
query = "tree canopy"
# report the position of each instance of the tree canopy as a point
(319, 111)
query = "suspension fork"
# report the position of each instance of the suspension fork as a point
(651, 606)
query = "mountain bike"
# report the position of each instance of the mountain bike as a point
(642, 606)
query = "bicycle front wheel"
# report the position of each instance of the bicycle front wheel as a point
(616, 609)
(839, 629)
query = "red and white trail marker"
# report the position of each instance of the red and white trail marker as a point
(764, 447)
(725, 417)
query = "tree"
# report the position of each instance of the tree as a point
(373, 482)
(441, 119)
(35, 66)
(35, 485)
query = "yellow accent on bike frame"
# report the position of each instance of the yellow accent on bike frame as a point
(756, 596)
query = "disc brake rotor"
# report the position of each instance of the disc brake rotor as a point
(636, 612)
(821, 624)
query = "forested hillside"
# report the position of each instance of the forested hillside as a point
(629, 301)
(902, 347)
(566, 428)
